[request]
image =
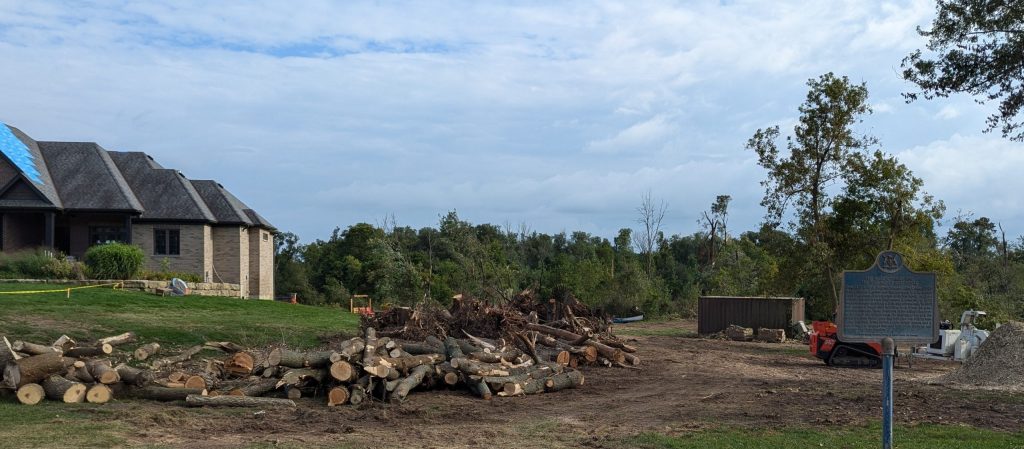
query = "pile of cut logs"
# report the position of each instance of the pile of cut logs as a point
(538, 358)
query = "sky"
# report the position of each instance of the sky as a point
(548, 116)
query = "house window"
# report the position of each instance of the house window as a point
(166, 242)
(99, 235)
(266, 236)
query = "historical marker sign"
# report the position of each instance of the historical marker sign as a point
(888, 300)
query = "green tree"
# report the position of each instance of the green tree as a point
(816, 157)
(978, 48)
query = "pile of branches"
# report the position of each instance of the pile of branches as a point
(566, 328)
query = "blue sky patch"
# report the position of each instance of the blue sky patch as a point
(17, 152)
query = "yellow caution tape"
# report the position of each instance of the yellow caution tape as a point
(61, 290)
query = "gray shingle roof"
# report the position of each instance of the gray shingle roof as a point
(86, 178)
(226, 207)
(165, 194)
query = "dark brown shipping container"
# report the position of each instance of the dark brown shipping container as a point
(715, 313)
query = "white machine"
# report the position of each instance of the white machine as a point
(955, 344)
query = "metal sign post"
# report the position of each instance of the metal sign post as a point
(888, 304)
(888, 354)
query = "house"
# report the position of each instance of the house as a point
(69, 196)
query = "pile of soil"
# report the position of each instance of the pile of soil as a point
(998, 363)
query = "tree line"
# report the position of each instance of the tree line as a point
(833, 200)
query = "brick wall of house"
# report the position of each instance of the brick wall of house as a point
(23, 230)
(193, 247)
(78, 227)
(261, 264)
(231, 256)
(208, 254)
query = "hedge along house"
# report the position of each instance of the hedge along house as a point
(69, 196)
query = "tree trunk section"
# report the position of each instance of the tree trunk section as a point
(31, 394)
(80, 373)
(571, 379)
(195, 382)
(134, 376)
(64, 343)
(337, 396)
(404, 364)
(89, 351)
(343, 371)
(259, 388)
(165, 394)
(58, 388)
(479, 388)
(349, 351)
(613, 354)
(33, 370)
(99, 394)
(240, 364)
(101, 371)
(34, 349)
(422, 348)
(115, 340)
(406, 385)
(370, 347)
(296, 376)
(195, 400)
(527, 386)
(187, 355)
(356, 395)
(146, 351)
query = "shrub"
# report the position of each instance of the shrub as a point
(38, 264)
(168, 275)
(114, 261)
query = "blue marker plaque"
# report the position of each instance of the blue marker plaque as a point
(888, 300)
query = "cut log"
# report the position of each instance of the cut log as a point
(350, 350)
(342, 371)
(115, 340)
(296, 359)
(525, 386)
(382, 371)
(562, 358)
(195, 400)
(240, 364)
(618, 344)
(356, 395)
(370, 347)
(299, 375)
(31, 394)
(260, 388)
(406, 385)
(177, 376)
(448, 374)
(337, 396)
(472, 367)
(196, 382)
(570, 379)
(467, 347)
(33, 349)
(164, 394)
(613, 354)
(494, 357)
(292, 392)
(101, 371)
(58, 388)
(80, 373)
(479, 388)
(34, 369)
(89, 351)
(479, 342)
(99, 394)
(146, 351)
(185, 356)
(452, 350)
(64, 343)
(422, 348)
(404, 364)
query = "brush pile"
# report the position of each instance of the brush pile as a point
(484, 349)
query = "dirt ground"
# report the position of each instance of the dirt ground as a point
(686, 384)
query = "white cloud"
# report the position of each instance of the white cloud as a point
(948, 112)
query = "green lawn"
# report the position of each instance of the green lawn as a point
(915, 437)
(170, 321)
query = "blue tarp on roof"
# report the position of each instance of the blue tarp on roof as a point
(17, 152)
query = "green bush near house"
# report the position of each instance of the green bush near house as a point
(114, 261)
(168, 275)
(38, 264)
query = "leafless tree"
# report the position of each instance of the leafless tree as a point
(715, 223)
(649, 237)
